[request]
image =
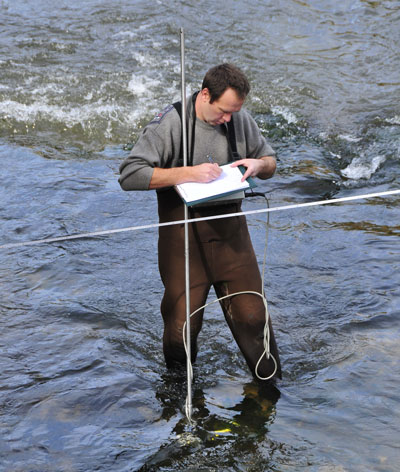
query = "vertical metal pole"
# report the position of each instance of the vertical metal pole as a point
(187, 278)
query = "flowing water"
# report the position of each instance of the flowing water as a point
(83, 385)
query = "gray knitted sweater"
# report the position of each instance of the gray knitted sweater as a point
(160, 142)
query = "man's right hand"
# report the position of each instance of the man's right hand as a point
(206, 172)
(178, 175)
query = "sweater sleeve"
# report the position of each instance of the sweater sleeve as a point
(157, 146)
(137, 169)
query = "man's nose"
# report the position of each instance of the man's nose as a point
(227, 117)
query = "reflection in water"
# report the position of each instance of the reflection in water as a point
(237, 428)
(368, 227)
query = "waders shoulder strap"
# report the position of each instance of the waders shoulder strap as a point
(178, 108)
(232, 140)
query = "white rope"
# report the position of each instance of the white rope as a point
(265, 353)
(266, 334)
(194, 220)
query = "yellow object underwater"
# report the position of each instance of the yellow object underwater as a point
(222, 431)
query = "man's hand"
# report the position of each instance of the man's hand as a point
(178, 175)
(263, 168)
(206, 172)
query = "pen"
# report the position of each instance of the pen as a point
(210, 159)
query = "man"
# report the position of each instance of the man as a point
(221, 253)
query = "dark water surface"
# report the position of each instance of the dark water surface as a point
(83, 385)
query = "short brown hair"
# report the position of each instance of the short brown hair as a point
(224, 76)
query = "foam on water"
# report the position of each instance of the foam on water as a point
(122, 100)
(286, 113)
(349, 138)
(394, 121)
(66, 115)
(141, 85)
(362, 169)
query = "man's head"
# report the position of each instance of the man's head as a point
(223, 92)
(222, 77)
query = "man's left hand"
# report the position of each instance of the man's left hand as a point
(264, 167)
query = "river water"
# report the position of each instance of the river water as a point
(83, 385)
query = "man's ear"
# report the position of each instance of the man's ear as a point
(205, 95)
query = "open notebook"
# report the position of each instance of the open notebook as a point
(227, 183)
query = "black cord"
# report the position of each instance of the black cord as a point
(255, 194)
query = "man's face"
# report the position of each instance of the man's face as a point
(220, 111)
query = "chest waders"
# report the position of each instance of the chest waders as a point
(221, 255)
